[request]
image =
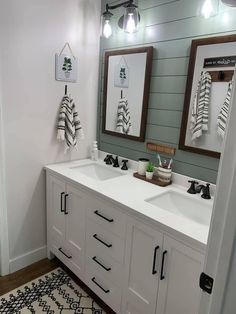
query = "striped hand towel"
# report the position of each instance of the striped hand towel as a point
(123, 124)
(201, 102)
(223, 115)
(69, 128)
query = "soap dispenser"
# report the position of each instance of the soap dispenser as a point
(94, 151)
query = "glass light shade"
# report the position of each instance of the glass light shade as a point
(106, 27)
(107, 30)
(209, 8)
(131, 19)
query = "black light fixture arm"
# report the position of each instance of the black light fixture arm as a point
(112, 7)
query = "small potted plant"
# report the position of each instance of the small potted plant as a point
(149, 171)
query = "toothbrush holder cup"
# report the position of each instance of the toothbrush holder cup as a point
(164, 174)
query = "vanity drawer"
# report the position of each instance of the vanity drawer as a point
(108, 216)
(105, 289)
(106, 266)
(106, 242)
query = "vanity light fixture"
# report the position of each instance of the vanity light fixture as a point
(128, 22)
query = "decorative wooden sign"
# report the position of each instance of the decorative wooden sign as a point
(162, 149)
(228, 61)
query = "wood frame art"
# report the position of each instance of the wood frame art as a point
(147, 80)
(193, 53)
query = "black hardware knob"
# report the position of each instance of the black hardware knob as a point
(124, 166)
(192, 189)
(206, 192)
(108, 160)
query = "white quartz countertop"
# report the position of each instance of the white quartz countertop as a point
(131, 193)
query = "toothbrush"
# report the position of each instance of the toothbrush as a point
(159, 159)
(170, 163)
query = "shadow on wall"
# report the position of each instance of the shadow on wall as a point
(34, 220)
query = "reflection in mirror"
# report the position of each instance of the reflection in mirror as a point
(208, 95)
(126, 91)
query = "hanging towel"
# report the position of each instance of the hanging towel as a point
(199, 116)
(123, 124)
(69, 128)
(223, 115)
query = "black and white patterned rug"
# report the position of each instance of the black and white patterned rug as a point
(53, 293)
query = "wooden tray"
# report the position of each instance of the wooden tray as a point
(153, 181)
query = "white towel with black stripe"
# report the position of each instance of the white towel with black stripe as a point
(223, 115)
(69, 128)
(200, 107)
(123, 124)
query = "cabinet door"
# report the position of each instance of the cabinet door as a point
(56, 217)
(142, 268)
(75, 227)
(179, 291)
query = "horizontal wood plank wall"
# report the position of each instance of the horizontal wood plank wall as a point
(169, 26)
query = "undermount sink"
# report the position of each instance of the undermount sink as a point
(183, 205)
(97, 172)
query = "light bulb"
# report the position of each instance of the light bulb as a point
(130, 27)
(207, 9)
(107, 31)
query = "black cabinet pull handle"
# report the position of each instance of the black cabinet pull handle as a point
(65, 204)
(99, 263)
(163, 264)
(154, 271)
(100, 215)
(96, 237)
(62, 201)
(69, 257)
(104, 290)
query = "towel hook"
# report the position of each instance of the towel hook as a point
(221, 75)
(121, 94)
(65, 89)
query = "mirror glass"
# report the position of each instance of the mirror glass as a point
(126, 91)
(208, 95)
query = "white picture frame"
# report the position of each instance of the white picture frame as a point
(66, 67)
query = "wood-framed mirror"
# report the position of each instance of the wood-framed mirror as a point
(127, 76)
(208, 94)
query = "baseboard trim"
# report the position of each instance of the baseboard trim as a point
(27, 259)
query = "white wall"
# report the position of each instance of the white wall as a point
(31, 32)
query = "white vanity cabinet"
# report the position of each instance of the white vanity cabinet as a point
(143, 252)
(66, 223)
(179, 291)
(134, 266)
(162, 274)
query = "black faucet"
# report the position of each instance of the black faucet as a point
(109, 160)
(205, 191)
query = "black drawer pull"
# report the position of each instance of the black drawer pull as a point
(154, 271)
(65, 204)
(163, 264)
(96, 237)
(60, 249)
(99, 263)
(100, 215)
(62, 201)
(106, 291)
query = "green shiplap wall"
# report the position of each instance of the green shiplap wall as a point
(168, 26)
